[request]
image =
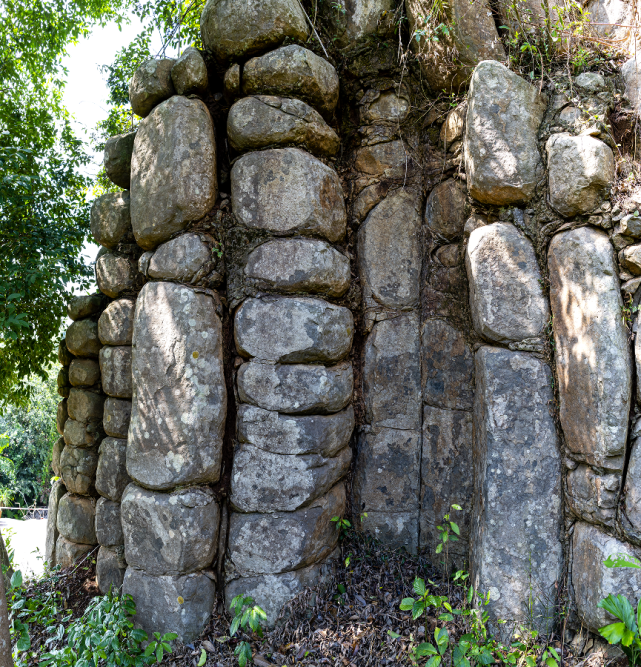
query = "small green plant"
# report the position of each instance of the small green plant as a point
(246, 613)
(342, 525)
(424, 601)
(446, 530)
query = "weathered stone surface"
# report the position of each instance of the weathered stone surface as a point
(454, 125)
(265, 482)
(502, 160)
(111, 218)
(78, 467)
(180, 604)
(84, 372)
(287, 191)
(506, 298)
(293, 330)
(388, 160)
(614, 20)
(352, 20)
(69, 553)
(630, 225)
(272, 591)
(446, 209)
(392, 373)
(296, 388)
(85, 406)
(173, 170)
(272, 432)
(387, 108)
(64, 356)
(189, 73)
(170, 533)
(110, 569)
(179, 399)
(516, 545)
(236, 28)
(447, 472)
(108, 526)
(58, 490)
(84, 306)
(591, 496)
(150, 85)
(390, 253)
(82, 339)
(399, 529)
(261, 121)
(631, 74)
(111, 473)
(630, 259)
(116, 324)
(256, 540)
(115, 368)
(448, 367)
(118, 152)
(179, 259)
(299, 265)
(592, 357)
(592, 580)
(631, 514)
(231, 83)
(80, 434)
(116, 416)
(580, 173)
(61, 416)
(58, 446)
(592, 82)
(387, 471)
(62, 381)
(76, 518)
(293, 71)
(115, 274)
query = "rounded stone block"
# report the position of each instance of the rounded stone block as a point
(189, 73)
(387, 160)
(446, 210)
(111, 218)
(58, 446)
(61, 416)
(84, 306)
(84, 372)
(115, 369)
(85, 406)
(173, 170)
(110, 569)
(179, 259)
(116, 324)
(118, 152)
(150, 85)
(170, 533)
(78, 468)
(115, 274)
(76, 518)
(79, 434)
(591, 496)
(69, 553)
(299, 265)
(287, 191)
(116, 416)
(108, 525)
(293, 330)
(111, 473)
(296, 388)
(64, 356)
(82, 339)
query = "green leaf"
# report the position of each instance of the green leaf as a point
(16, 579)
(392, 634)
(417, 608)
(622, 560)
(613, 633)
(419, 586)
(407, 604)
(235, 624)
(619, 606)
(455, 528)
(203, 657)
(425, 649)
(434, 661)
(439, 548)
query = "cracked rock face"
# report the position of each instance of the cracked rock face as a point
(76, 518)
(68, 553)
(80, 434)
(84, 372)
(445, 211)
(631, 516)
(58, 490)
(179, 259)
(85, 406)
(115, 274)
(111, 218)
(110, 569)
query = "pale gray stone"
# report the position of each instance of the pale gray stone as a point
(116, 324)
(61, 416)
(580, 173)
(262, 481)
(446, 209)
(69, 553)
(150, 85)
(115, 368)
(389, 251)
(399, 529)
(173, 170)
(356, 19)
(115, 274)
(232, 29)
(631, 74)
(631, 225)
(287, 191)
(515, 547)
(179, 393)
(293, 71)
(262, 121)
(189, 73)
(111, 473)
(506, 297)
(392, 373)
(78, 468)
(299, 265)
(81, 434)
(591, 496)
(118, 152)
(58, 490)
(82, 339)
(630, 259)
(592, 356)
(273, 432)
(454, 125)
(116, 416)
(111, 218)
(631, 514)
(179, 259)
(143, 261)
(593, 82)
(76, 518)
(293, 330)
(180, 604)
(387, 160)
(110, 569)
(84, 372)
(84, 306)
(85, 406)
(296, 388)
(170, 533)
(387, 108)
(256, 541)
(108, 525)
(502, 160)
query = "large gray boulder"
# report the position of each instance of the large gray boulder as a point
(232, 29)
(273, 432)
(502, 160)
(82, 339)
(392, 373)
(84, 306)
(446, 210)
(111, 218)
(78, 468)
(150, 85)
(118, 152)
(189, 73)
(592, 356)
(179, 394)
(580, 173)
(84, 372)
(68, 553)
(115, 274)
(262, 481)
(180, 604)
(287, 191)
(179, 259)
(293, 330)
(170, 533)
(58, 490)
(116, 416)
(256, 541)
(110, 569)
(111, 473)
(591, 496)
(116, 324)
(296, 388)
(389, 251)
(115, 369)
(85, 406)
(299, 265)
(262, 121)
(173, 170)
(76, 518)
(516, 547)
(506, 298)
(293, 71)
(108, 525)
(447, 367)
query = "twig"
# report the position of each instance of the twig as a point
(314, 29)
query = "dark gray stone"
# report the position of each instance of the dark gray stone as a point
(83, 306)
(69, 553)
(387, 160)
(179, 259)
(115, 369)
(397, 529)
(58, 446)
(115, 274)
(108, 525)
(81, 434)
(591, 496)
(118, 152)
(64, 356)
(116, 324)
(110, 569)
(446, 210)
(76, 518)
(189, 73)
(111, 473)
(631, 514)
(150, 85)
(82, 339)
(78, 468)
(61, 416)
(116, 417)
(58, 490)
(85, 406)
(111, 218)
(84, 372)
